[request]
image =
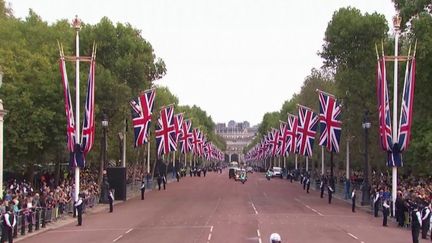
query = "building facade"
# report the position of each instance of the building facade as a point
(237, 136)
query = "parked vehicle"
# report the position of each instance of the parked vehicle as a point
(277, 171)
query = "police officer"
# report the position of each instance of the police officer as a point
(79, 207)
(9, 222)
(416, 224)
(376, 203)
(142, 189)
(307, 184)
(426, 215)
(159, 181)
(353, 199)
(386, 211)
(178, 176)
(111, 200)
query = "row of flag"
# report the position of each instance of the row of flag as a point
(297, 134)
(172, 130)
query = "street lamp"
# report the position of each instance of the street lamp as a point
(365, 189)
(105, 127)
(105, 184)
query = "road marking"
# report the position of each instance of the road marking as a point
(129, 230)
(118, 238)
(210, 234)
(254, 208)
(209, 237)
(353, 236)
(258, 233)
(259, 236)
(211, 229)
(307, 206)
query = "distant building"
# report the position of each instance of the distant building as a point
(237, 137)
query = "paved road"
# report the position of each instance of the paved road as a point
(216, 209)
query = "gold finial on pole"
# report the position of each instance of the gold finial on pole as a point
(397, 22)
(76, 23)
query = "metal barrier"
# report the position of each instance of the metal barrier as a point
(33, 219)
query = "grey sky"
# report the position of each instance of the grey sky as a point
(236, 59)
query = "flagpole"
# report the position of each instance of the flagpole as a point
(296, 165)
(148, 157)
(396, 25)
(307, 163)
(322, 160)
(173, 162)
(77, 25)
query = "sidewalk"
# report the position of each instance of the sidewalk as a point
(68, 219)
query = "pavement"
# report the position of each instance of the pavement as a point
(215, 209)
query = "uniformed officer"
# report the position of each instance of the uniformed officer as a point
(426, 215)
(9, 222)
(164, 181)
(178, 176)
(142, 189)
(159, 181)
(386, 211)
(111, 200)
(79, 207)
(330, 191)
(353, 199)
(376, 203)
(416, 224)
(307, 184)
(322, 186)
(304, 182)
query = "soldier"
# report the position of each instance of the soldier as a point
(322, 186)
(376, 203)
(9, 222)
(307, 184)
(386, 211)
(164, 181)
(79, 208)
(111, 200)
(304, 182)
(416, 224)
(159, 181)
(353, 199)
(142, 189)
(425, 221)
(178, 176)
(330, 191)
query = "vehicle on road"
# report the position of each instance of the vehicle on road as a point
(269, 174)
(243, 176)
(249, 169)
(277, 172)
(232, 169)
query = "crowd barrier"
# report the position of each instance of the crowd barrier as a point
(36, 218)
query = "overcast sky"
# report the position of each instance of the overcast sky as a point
(236, 59)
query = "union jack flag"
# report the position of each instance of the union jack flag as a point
(196, 141)
(384, 107)
(407, 106)
(165, 131)
(178, 120)
(142, 109)
(88, 130)
(274, 142)
(306, 130)
(186, 136)
(70, 127)
(291, 128)
(283, 139)
(330, 123)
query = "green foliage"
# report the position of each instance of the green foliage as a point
(410, 8)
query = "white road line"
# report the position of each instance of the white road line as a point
(211, 229)
(353, 236)
(258, 233)
(259, 236)
(118, 238)
(129, 230)
(314, 210)
(254, 208)
(209, 237)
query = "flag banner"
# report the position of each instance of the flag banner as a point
(407, 106)
(274, 142)
(165, 131)
(186, 136)
(88, 128)
(70, 122)
(196, 140)
(283, 139)
(178, 121)
(385, 129)
(306, 130)
(142, 109)
(330, 122)
(291, 129)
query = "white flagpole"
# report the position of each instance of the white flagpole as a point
(173, 162)
(77, 26)
(296, 164)
(307, 163)
(148, 157)
(322, 160)
(396, 25)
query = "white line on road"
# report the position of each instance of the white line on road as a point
(211, 229)
(314, 210)
(209, 237)
(353, 236)
(259, 236)
(118, 238)
(254, 208)
(129, 230)
(258, 233)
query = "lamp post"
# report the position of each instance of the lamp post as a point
(105, 185)
(2, 114)
(365, 189)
